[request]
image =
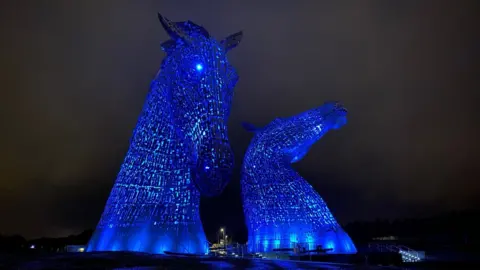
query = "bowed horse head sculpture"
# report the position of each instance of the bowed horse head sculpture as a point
(281, 208)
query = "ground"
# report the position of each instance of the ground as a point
(144, 261)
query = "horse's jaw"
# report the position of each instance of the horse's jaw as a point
(213, 168)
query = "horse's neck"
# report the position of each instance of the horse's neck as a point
(263, 155)
(261, 165)
(156, 132)
(191, 128)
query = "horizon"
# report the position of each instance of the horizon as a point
(419, 218)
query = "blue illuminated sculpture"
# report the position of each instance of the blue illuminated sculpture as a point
(281, 209)
(179, 149)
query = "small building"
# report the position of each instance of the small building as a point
(75, 248)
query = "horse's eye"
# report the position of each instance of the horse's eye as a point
(199, 67)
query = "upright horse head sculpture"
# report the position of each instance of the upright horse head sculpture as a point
(201, 82)
(179, 149)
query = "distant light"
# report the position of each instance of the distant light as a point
(32, 246)
(81, 249)
(199, 67)
(206, 167)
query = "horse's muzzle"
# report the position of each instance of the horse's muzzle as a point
(214, 168)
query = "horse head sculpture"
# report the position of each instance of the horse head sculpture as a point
(301, 131)
(201, 82)
(281, 208)
(179, 149)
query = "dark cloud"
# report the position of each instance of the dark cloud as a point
(74, 76)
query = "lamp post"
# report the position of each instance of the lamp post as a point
(222, 230)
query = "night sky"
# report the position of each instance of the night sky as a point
(74, 76)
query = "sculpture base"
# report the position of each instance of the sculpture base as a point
(152, 239)
(268, 239)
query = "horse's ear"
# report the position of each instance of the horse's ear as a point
(175, 32)
(232, 41)
(168, 46)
